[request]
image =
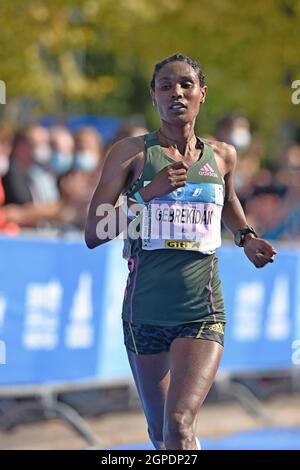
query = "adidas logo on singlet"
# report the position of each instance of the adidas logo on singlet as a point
(218, 328)
(207, 170)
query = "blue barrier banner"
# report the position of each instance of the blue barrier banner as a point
(60, 311)
(112, 357)
(51, 310)
(262, 308)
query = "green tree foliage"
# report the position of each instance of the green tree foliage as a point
(98, 55)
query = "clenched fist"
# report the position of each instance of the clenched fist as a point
(259, 252)
(166, 180)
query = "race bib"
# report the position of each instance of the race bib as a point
(188, 218)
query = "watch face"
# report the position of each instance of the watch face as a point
(238, 238)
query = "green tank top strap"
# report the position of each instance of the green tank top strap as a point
(156, 159)
(151, 139)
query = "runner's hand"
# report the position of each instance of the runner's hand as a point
(166, 180)
(260, 252)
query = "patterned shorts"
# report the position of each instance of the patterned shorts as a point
(153, 339)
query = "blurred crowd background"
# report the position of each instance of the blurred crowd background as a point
(65, 58)
(48, 175)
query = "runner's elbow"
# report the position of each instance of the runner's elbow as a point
(89, 241)
(90, 236)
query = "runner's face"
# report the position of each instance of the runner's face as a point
(178, 94)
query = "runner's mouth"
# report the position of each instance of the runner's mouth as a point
(178, 105)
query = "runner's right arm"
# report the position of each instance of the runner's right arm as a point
(105, 221)
(117, 175)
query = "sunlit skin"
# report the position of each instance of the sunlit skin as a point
(173, 384)
(178, 81)
(175, 82)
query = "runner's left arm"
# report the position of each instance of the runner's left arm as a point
(260, 252)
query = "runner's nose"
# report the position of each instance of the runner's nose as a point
(177, 91)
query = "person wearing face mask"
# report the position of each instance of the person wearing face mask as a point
(62, 150)
(42, 182)
(240, 135)
(86, 161)
(41, 154)
(29, 183)
(88, 150)
(234, 130)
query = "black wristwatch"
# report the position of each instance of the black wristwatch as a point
(239, 236)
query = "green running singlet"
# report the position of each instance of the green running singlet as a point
(173, 269)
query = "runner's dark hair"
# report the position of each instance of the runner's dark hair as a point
(181, 58)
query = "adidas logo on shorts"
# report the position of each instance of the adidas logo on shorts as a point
(218, 328)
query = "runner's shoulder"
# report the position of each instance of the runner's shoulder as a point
(225, 152)
(127, 149)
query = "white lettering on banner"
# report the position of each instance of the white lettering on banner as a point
(79, 332)
(3, 304)
(278, 322)
(2, 353)
(296, 353)
(247, 314)
(42, 310)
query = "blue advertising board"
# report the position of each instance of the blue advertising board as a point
(51, 310)
(60, 311)
(262, 310)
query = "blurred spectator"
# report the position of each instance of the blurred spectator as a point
(264, 209)
(29, 178)
(62, 145)
(5, 150)
(48, 177)
(68, 209)
(289, 175)
(76, 192)
(128, 129)
(16, 180)
(88, 150)
(234, 129)
(77, 186)
(248, 171)
(42, 182)
(38, 137)
(7, 227)
(275, 210)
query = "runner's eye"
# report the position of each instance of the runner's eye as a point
(165, 87)
(187, 84)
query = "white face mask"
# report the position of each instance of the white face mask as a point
(41, 154)
(86, 160)
(240, 138)
(4, 165)
(61, 162)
